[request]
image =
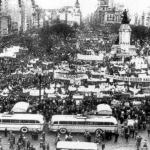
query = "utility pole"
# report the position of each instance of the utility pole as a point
(40, 82)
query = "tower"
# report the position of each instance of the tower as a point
(77, 5)
(77, 13)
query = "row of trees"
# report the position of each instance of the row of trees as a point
(43, 39)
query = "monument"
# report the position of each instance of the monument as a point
(125, 37)
(125, 33)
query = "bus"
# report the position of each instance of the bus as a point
(65, 145)
(21, 122)
(75, 123)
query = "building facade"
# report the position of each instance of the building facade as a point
(107, 12)
(67, 14)
(16, 16)
(142, 19)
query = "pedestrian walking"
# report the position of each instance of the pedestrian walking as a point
(43, 136)
(136, 134)
(85, 135)
(57, 139)
(139, 139)
(116, 136)
(13, 138)
(145, 147)
(48, 148)
(103, 146)
(127, 137)
(148, 131)
(11, 144)
(1, 147)
(88, 137)
(5, 132)
(19, 146)
(44, 146)
(28, 144)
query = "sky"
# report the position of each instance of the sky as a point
(88, 6)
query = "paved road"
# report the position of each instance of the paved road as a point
(109, 145)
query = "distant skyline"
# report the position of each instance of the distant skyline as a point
(89, 6)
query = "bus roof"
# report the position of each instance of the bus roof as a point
(21, 116)
(76, 145)
(84, 118)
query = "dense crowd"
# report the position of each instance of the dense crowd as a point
(21, 74)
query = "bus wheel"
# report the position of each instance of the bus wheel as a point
(24, 129)
(98, 131)
(62, 130)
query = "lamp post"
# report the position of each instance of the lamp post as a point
(40, 82)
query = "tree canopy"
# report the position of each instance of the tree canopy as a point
(51, 35)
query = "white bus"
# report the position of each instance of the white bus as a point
(21, 122)
(65, 145)
(73, 123)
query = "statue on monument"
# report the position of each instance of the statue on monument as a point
(125, 19)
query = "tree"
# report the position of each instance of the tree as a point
(115, 28)
(75, 25)
(62, 30)
(139, 32)
(46, 38)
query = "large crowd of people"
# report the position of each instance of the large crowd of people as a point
(33, 78)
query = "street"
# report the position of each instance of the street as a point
(50, 138)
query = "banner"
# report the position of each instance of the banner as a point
(62, 76)
(129, 79)
(90, 57)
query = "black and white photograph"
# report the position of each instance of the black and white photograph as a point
(74, 74)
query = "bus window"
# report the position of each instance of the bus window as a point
(74, 122)
(32, 121)
(107, 123)
(81, 123)
(24, 121)
(100, 123)
(37, 121)
(69, 122)
(89, 123)
(6, 120)
(62, 122)
(14, 121)
(112, 123)
(55, 122)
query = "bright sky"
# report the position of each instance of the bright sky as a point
(88, 6)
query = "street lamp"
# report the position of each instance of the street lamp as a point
(40, 82)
